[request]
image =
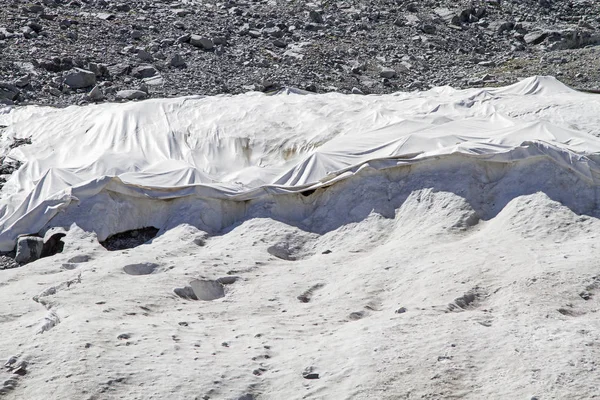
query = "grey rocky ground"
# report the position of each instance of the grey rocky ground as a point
(70, 52)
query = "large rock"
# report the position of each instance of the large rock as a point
(79, 78)
(118, 69)
(535, 37)
(274, 32)
(156, 80)
(56, 64)
(202, 42)
(8, 91)
(450, 17)
(428, 29)
(177, 61)
(572, 39)
(96, 94)
(144, 55)
(131, 95)
(23, 81)
(387, 73)
(500, 27)
(144, 71)
(315, 17)
(29, 249)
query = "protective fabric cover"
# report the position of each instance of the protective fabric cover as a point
(253, 145)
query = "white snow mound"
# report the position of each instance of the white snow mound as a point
(212, 161)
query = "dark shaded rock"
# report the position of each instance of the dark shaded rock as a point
(387, 73)
(129, 239)
(9, 91)
(535, 37)
(144, 71)
(80, 78)
(177, 61)
(202, 42)
(315, 17)
(448, 16)
(56, 64)
(29, 249)
(118, 70)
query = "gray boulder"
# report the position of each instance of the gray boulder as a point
(428, 28)
(96, 94)
(144, 71)
(387, 73)
(202, 42)
(315, 17)
(450, 17)
(177, 61)
(105, 16)
(29, 249)
(144, 55)
(78, 78)
(23, 81)
(535, 37)
(500, 27)
(8, 91)
(274, 32)
(118, 69)
(131, 95)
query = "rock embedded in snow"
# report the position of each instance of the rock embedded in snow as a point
(186, 293)
(11, 361)
(145, 268)
(29, 249)
(228, 280)
(79, 78)
(356, 315)
(21, 368)
(82, 258)
(309, 373)
(207, 290)
(281, 251)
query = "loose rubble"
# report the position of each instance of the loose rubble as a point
(76, 52)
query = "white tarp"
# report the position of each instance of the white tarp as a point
(247, 146)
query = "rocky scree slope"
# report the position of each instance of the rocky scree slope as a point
(71, 52)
